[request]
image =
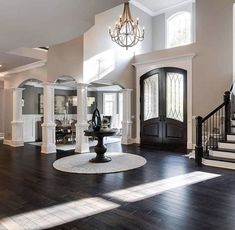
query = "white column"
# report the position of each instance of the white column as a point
(17, 123)
(127, 121)
(82, 144)
(48, 126)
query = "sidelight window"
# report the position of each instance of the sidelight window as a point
(151, 97)
(175, 96)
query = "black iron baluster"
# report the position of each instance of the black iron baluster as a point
(199, 147)
(227, 113)
(219, 126)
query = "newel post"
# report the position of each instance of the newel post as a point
(198, 147)
(227, 120)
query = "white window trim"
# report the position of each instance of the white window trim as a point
(167, 28)
(115, 102)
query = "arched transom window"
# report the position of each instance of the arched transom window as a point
(179, 31)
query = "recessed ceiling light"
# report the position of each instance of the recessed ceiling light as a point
(0, 66)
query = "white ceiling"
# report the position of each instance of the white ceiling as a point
(155, 7)
(11, 61)
(28, 23)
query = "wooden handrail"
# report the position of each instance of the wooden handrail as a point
(213, 112)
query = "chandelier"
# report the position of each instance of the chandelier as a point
(127, 32)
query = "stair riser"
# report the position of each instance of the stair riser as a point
(231, 138)
(222, 154)
(233, 130)
(218, 164)
(229, 146)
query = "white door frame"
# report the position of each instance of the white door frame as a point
(182, 61)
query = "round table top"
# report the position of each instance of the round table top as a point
(102, 132)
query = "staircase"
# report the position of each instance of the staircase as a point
(215, 136)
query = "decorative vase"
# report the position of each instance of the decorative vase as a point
(96, 120)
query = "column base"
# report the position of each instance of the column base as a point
(82, 144)
(47, 149)
(82, 149)
(48, 138)
(13, 143)
(127, 141)
(127, 133)
(17, 134)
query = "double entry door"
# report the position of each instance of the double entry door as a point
(164, 108)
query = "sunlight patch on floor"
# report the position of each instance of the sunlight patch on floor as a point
(64, 213)
(58, 214)
(147, 190)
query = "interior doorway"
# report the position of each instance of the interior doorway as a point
(164, 108)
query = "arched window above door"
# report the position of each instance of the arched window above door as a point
(179, 29)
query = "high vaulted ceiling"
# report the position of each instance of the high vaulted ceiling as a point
(28, 23)
(155, 7)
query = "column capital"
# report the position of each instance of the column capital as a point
(127, 90)
(17, 89)
(50, 84)
(82, 85)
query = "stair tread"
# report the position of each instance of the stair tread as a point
(224, 150)
(227, 142)
(220, 159)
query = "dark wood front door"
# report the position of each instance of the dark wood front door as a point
(164, 108)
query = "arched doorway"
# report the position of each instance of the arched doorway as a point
(32, 91)
(108, 98)
(163, 94)
(65, 112)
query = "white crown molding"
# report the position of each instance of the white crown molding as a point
(165, 59)
(23, 68)
(162, 11)
(142, 7)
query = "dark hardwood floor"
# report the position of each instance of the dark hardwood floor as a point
(28, 182)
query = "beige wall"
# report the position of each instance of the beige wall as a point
(97, 40)
(213, 64)
(159, 31)
(66, 59)
(1, 107)
(14, 80)
(8, 110)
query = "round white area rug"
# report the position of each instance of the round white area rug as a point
(79, 163)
